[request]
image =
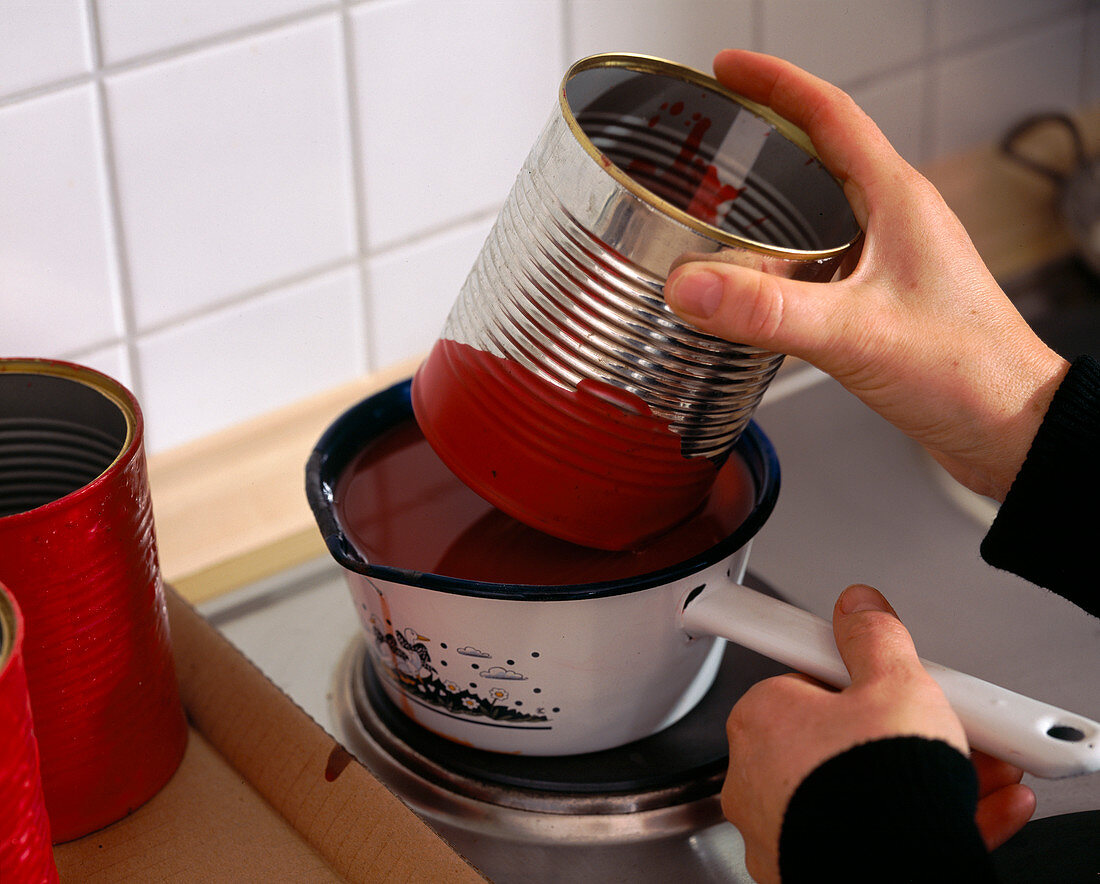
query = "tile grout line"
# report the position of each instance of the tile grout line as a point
(170, 53)
(246, 296)
(116, 232)
(273, 286)
(565, 22)
(364, 338)
(930, 79)
(756, 26)
(1088, 44)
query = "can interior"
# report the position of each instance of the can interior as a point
(57, 434)
(711, 157)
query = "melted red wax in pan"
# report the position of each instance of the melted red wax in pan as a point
(401, 507)
(592, 466)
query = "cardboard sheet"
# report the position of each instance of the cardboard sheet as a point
(263, 794)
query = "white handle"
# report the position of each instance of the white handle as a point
(1041, 739)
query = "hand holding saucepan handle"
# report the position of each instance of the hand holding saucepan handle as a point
(786, 732)
(1039, 738)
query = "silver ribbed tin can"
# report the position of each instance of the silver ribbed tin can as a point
(642, 163)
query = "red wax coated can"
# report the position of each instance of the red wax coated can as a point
(78, 553)
(562, 388)
(26, 855)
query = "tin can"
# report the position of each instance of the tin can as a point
(78, 553)
(26, 854)
(562, 388)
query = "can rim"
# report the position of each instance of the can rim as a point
(103, 384)
(10, 633)
(654, 65)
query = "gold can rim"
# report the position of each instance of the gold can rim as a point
(101, 383)
(651, 64)
(9, 627)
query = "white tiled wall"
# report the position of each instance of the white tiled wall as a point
(233, 204)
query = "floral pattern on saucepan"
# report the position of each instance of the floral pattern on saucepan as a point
(409, 663)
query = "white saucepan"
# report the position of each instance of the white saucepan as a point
(559, 670)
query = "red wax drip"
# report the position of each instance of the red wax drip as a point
(710, 195)
(688, 173)
(593, 466)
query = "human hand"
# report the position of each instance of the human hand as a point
(890, 695)
(920, 330)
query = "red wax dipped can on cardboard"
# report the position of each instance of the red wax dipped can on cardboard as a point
(78, 553)
(26, 854)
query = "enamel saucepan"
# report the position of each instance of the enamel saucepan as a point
(572, 668)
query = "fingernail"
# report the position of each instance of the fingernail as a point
(862, 598)
(697, 293)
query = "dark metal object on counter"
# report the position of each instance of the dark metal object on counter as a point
(1061, 302)
(1077, 188)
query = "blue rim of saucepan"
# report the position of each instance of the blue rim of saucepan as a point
(361, 423)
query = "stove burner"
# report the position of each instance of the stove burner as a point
(680, 763)
(651, 805)
(690, 754)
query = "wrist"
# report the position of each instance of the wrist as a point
(883, 807)
(1039, 532)
(1028, 402)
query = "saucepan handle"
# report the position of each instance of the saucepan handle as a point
(1039, 738)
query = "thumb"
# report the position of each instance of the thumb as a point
(871, 639)
(881, 659)
(749, 306)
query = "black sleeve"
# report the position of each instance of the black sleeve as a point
(1047, 529)
(899, 809)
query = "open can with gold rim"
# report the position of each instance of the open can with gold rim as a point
(78, 553)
